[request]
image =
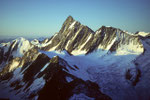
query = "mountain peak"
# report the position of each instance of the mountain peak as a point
(67, 23)
(70, 18)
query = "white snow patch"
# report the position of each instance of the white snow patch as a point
(44, 67)
(13, 65)
(108, 26)
(46, 40)
(23, 46)
(17, 75)
(66, 47)
(78, 52)
(72, 25)
(51, 54)
(130, 48)
(86, 41)
(143, 34)
(37, 84)
(98, 31)
(35, 42)
(80, 96)
(110, 45)
(68, 34)
(6, 90)
(76, 34)
(38, 44)
(5, 46)
(53, 48)
(69, 79)
(45, 44)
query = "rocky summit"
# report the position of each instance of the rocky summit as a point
(77, 63)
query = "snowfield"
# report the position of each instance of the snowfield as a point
(106, 69)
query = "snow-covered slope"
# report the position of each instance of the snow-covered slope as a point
(143, 34)
(143, 63)
(17, 47)
(12, 52)
(108, 71)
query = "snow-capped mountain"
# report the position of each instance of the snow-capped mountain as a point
(79, 39)
(77, 63)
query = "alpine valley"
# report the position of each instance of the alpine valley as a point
(77, 64)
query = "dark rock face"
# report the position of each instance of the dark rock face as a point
(58, 88)
(1, 55)
(4, 99)
(134, 79)
(7, 55)
(6, 76)
(35, 68)
(55, 89)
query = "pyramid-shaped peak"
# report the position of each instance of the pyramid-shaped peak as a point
(69, 19)
(67, 23)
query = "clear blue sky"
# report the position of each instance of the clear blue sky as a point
(45, 17)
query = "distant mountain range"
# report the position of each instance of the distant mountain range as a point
(77, 64)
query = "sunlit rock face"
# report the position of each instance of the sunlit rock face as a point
(72, 37)
(79, 39)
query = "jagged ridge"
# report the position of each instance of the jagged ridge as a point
(79, 39)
